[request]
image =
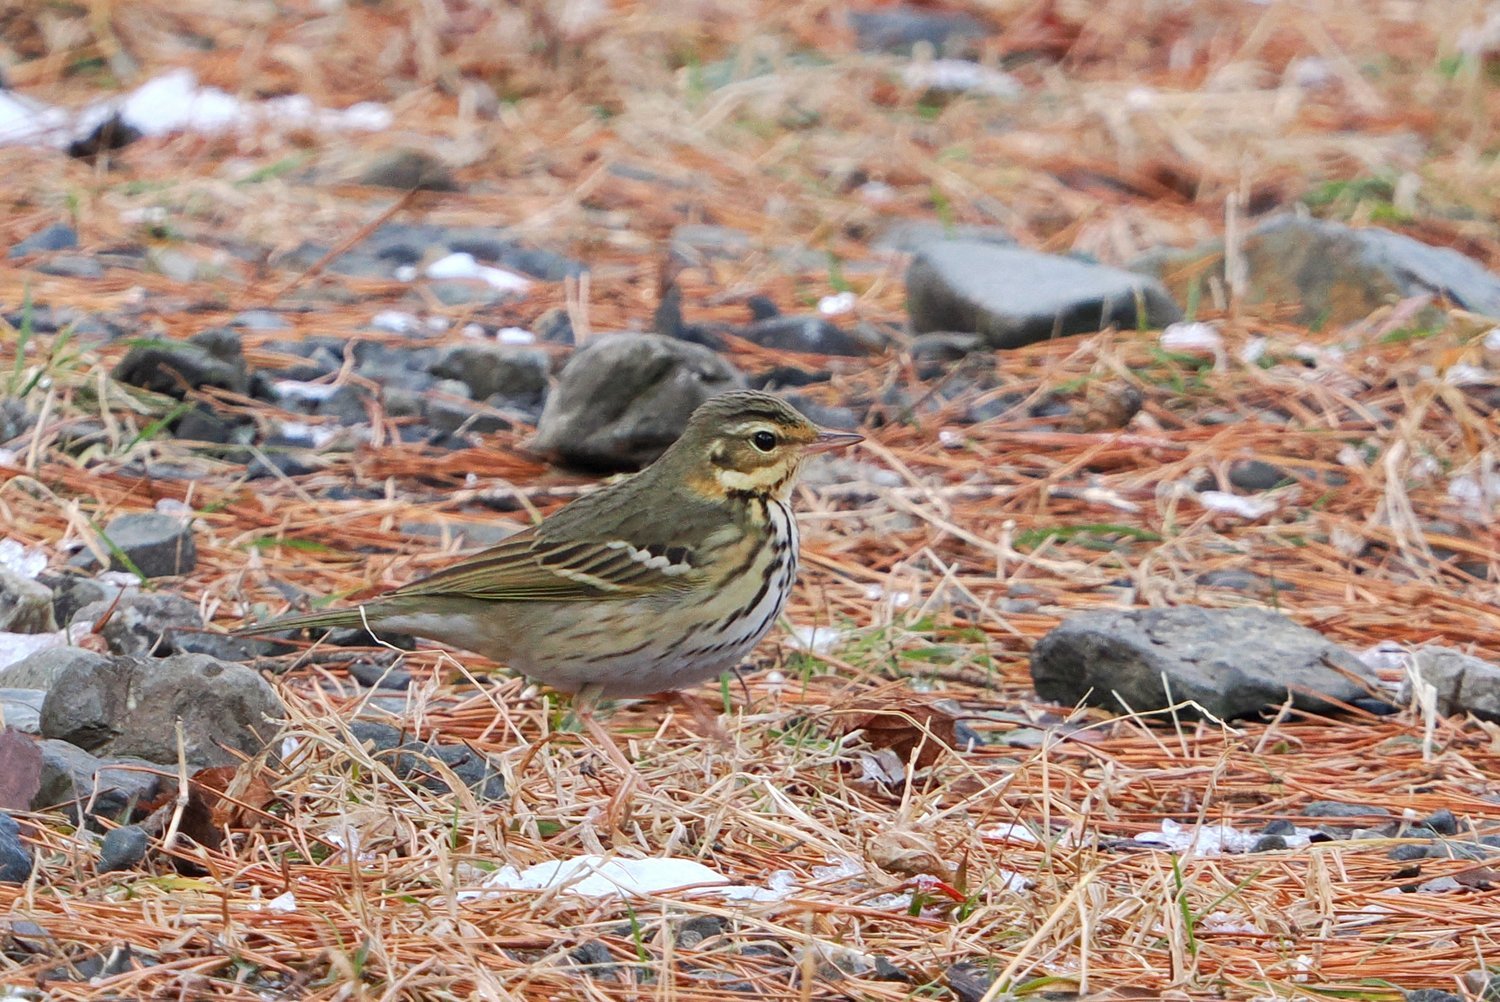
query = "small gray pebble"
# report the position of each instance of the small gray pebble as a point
(123, 848)
(1268, 843)
(1443, 822)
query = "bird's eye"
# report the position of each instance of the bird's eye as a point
(763, 440)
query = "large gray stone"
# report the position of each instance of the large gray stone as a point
(1337, 274)
(623, 398)
(1464, 683)
(1232, 662)
(39, 670)
(157, 545)
(516, 374)
(71, 775)
(210, 358)
(25, 605)
(144, 622)
(1013, 297)
(130, 708)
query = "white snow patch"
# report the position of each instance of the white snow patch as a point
(395, 321)
(292, 389)
(1387, 655)
(515, 335)
(1214, 840)
(1011, 833)
(1249, 508)
(817, 639)
(593, 876)
(960, 75)
(464, 266)
(838, 304)
(1192, 336)
(20, 560)
(16, 646)
(1227, 922)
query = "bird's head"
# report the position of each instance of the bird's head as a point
(746, 442)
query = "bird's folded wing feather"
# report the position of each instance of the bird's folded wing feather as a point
(527, 568)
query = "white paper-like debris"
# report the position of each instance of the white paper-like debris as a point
(877, 192)
(1227, 922)
(1249, 508)
(176, 102)
(1467, 375)
(837, 304)
(1253, 350)
(1140, 98)
(284, 903)
(20, 560)
(1476, 495)
(319, 435)
(464, 266)
(817, 639)
(311, 393)
(597, 877)
(838, 869)
(1011, 833)
(1214, 840)
(395, 321)
(1387, 655)
(960, 76)
(1192, 336)
(515, 335)
(950, 439)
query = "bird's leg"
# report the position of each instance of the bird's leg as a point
(584, 705)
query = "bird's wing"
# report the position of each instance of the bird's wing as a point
(530, 568)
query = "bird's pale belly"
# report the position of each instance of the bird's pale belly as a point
(634, 647)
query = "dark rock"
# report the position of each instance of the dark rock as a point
(211, 358)
(697, 243)
(15, 419)
(204, 424)
(25, 604)
(1337, 274)
(15, 859)
(1268, 843)
(260, 320)
(472, 768)
(1432, 995)
(157, 545)
(358, 636)
(944, 346)
(1442, 822)
(1237, 579)
(348, 404)
(516, 374)
(1012, 297)
(812, 335)
(623, 398)
(554, 327)
(969, 982)
(123, 848)
(1281, 826)
(58, 236)
(405, 169)
(594, 956)
(377, 675)
(131, 707)
(450, 412)
(1464, 683)
(40, 670)
(695, 930)
(1407, 853)
(897, 30)
(1342, 809)
(762, 307)
(1254, 475)
(1231, 662)
(275, 465)
(111, 788)
(887, 971)
(380, 737)
(143, 623)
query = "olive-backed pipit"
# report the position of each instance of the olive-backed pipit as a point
(657, 582)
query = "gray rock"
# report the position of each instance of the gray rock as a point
(1012, 297)
(1464, 683)
(130, 708)
(516, 374)
(472, 768)
(21, 709)
(699, 242)
(72, 266)
(898, 29)
(15, 859)
(1232, 662)
(944, 346)
(72, 591)
(449, 410)
(25, 605)
(1255, 475)
(1337, 274)
(157, 545)
(58, 236)
(40, 670)
(812, 335)
(122, 848)
(143, 623)
(211, 358)
(623, 398)
(1342, 809)
(405, 169)
(71, 775)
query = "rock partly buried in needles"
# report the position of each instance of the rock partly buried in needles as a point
(1013, 297)
(623, 398)
(1231, 662)
(211, 358)
(157, 545)
(131, 707)
(107, 788)
(1463, 683)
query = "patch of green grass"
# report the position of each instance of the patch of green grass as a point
(1094, 535)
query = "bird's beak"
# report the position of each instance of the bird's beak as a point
(827, 440)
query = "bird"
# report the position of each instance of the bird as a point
(656, 582)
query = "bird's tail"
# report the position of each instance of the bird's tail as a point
(331, 619)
